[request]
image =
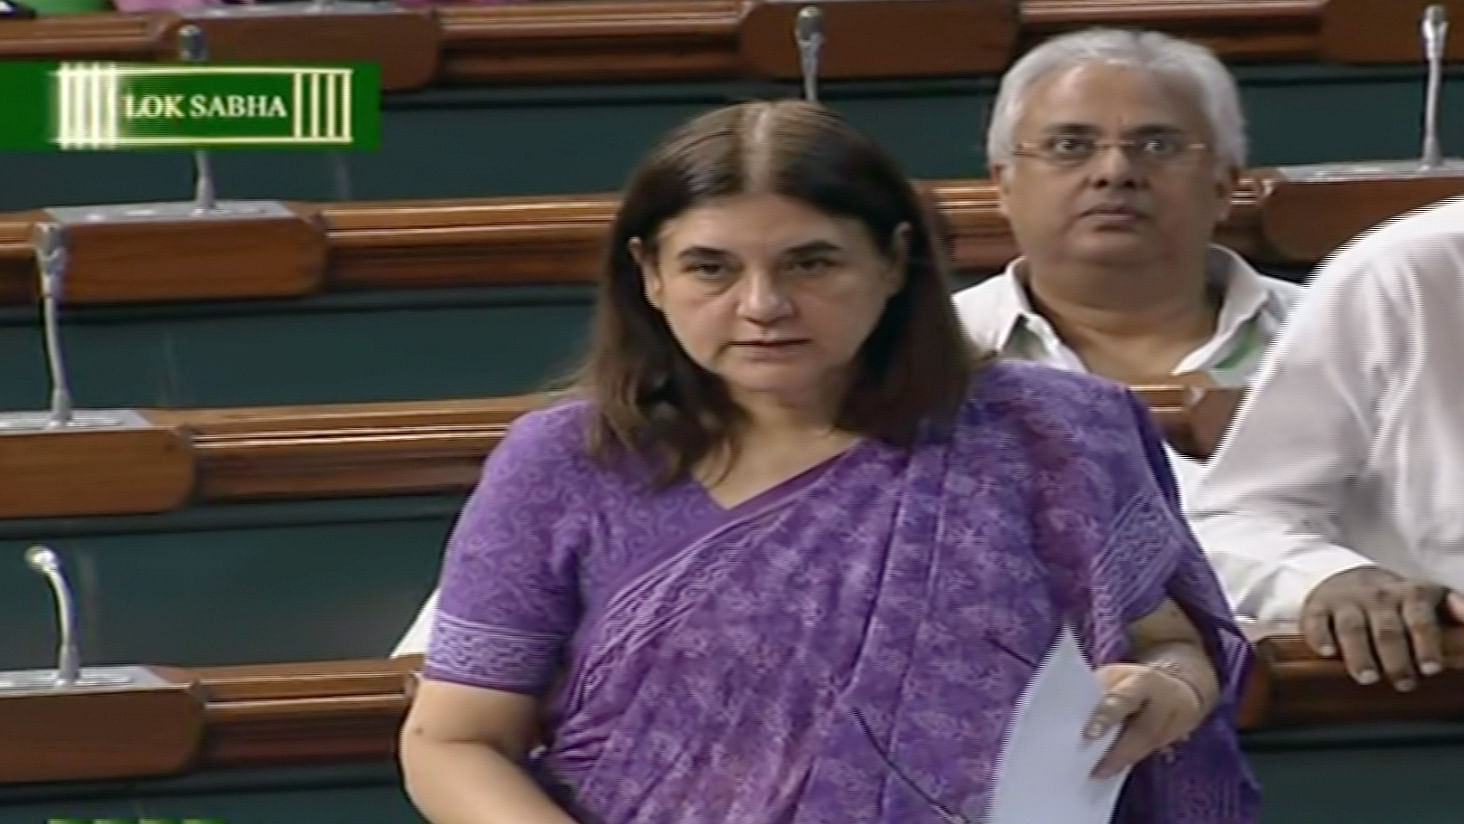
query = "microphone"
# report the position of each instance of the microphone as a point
(68, 661)
(808, 32)
(1435, 28)
(193, 49)
(69, 675)
(50, 246)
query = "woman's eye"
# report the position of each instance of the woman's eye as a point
(707, 270)
(813, 266)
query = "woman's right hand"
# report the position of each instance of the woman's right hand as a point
(1156, 707)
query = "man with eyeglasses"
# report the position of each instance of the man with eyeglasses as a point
(1116, 153)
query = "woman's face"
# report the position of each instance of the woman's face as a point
(770, 294)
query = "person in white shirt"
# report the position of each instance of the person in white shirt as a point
(1116, 153)
(1336, 499)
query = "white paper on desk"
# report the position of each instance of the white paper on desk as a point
(1045, 771)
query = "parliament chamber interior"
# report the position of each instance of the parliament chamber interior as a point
(279, 417)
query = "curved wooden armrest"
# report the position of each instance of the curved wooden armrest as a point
(1293, 685)
(1193, 416)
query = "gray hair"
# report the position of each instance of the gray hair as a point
(1189, 64)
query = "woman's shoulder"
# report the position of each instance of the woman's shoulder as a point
(551, 438)
(553, 442)
(554, 421)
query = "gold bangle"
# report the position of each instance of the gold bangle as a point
(1176, 670)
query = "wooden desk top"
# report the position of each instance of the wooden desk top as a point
(327, 711)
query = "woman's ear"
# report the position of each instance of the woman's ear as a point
(650, 278)
(899, 257)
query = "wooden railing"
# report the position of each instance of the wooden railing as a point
(395, 448)
(334, 711)
(667, 40)
(204, 719)
(358, 449)
(197, 456)
(413, 244)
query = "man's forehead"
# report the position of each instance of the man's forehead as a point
(1105, 97)
(1079, 127)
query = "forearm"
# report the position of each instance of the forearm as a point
(1167, 641)
(472, 783)
(1188, 662)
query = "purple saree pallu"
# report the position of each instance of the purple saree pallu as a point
(848, 646)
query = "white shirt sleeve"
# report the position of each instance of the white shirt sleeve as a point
(1267, 507)
(418, 634)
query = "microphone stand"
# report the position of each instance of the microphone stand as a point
(68, 660)
(808, 32)
(68, 674)
(1435, 29)
(51, 261)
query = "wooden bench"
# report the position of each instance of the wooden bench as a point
(411, 244)
(668, 40)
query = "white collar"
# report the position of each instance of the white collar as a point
(1245, 296)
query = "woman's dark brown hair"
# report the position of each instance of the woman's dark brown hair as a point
(653, 400)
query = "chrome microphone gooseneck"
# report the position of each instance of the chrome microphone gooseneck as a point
(68, 660)
(193, 49)
(50, 245)
(1435, 31)
(809, 34)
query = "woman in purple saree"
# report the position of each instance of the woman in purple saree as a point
(792, 553)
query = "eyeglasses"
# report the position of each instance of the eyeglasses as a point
(1077, 150)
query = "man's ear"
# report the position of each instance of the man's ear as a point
(1001, 173)
(1225, 183)
(650, 278)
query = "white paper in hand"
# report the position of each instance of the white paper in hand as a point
(1046, 766)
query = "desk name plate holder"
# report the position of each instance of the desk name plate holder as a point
(298, 9)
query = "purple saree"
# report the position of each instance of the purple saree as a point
(846, 647)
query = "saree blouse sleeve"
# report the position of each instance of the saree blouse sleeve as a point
(508, 597)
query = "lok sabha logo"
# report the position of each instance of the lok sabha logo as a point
(100, 106)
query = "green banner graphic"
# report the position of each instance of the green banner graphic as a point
(140, 106)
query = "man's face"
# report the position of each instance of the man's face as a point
(1072, 195)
